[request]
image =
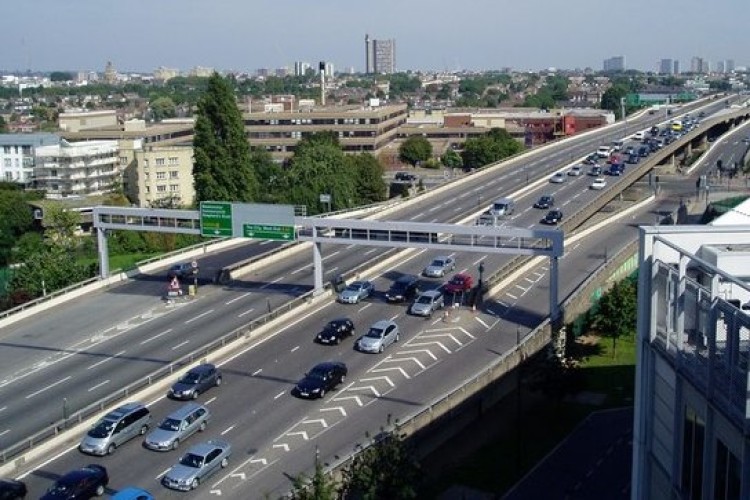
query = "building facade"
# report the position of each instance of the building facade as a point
(157, 176)
(17, 155)
(666, 66)
(384, 56)
(77, 169)
(692, 402)
(616, 63)
(359, 128)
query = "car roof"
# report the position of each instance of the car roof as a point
(85, 471)
(406, 278)
(325, 365)
(184, 410)
(382, 324)
(431, 293)
(340, 320)
(207, 447)
(202, 368)
(123, 410)
(132, 493)
(441, 257)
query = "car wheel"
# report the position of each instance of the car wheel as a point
(218, 382)
(322, 393)
(202, 427)
(336, 340)
(144, 430)
(381, 348)
(195, 394)
(176, 444)
(99, 490)
(224, 462)
(194, 484)
(111, 448)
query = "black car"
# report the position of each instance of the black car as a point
(405, 176)
(335, 331)
(403, 289)
(86, 482)
(553, 217)
(643, 151)
(322, 378)
(182, 270)
(196, 380)
(633, 159)
(545, 201)
(12, 490)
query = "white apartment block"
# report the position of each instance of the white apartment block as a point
(78, 168)
(157, 176)
(17, 155)
(692, 402)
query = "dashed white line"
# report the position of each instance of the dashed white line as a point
(480, 259)
(371, 251)
(156, 336)
(511, 296)
(4, 432)
(279, 395)
(394, 318)
(332, 270)
(3, 409)
(162, 474)
(301, 269)
(237, 298)
(246, 312)
(48, 387)
(262, 243)
(332, 254)
(98, 363)
(363, 307)
(180, 345)
(271, 283)
(208, 402)
(295, 348)
(98, 386)
(206, 313)
(227, 430)
(257, 371)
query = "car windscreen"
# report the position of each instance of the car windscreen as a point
(170, 424)
(192, 460)
(102, 429)
(190, 378)
(424, 299)
(438, 263)
(375, 333)
(317, 374)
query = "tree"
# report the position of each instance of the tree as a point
(617, 311)
(451, 159)
(368, 177)
(222, 169)
(60, 76)
(163, 107)
(15, 220)
(415, 149)
(50, 270)
(60, 226)
(611, 99)
(489, 148)
(319, 487)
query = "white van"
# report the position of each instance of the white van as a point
(502, 207)
(618, 144)
(603, 151)
(640, 135)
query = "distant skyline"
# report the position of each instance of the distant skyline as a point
(237, 35)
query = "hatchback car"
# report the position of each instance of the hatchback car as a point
(132, 493)
(335, 331)
(182, 270)
(599, 183)
(85, 482)
(356, 291)
(595, 171)
(322, 378)
(378, 337)
(545, 201)
(460, 282)
(178, 426)
(116, 428)
(427, 303)
(553, 217)
(575, 171)
(403, 289)
(197, 380)
(200, 462)
(439, 266)
(12, 490)
(405, 176)
(558, 178)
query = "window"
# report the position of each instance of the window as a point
(174, 174)
(727, 478)
(148, 189)
(174, 188)
(161, 188)
(173, 160)
(159, 162)
(6, 150)
(123, 160)
(161, 176)
(145, 163)
(693, 438)
(6, 162)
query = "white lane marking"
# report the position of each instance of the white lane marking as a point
(227, 430)
(371, 251)
(180, 345)
(349, 247)
(4, 432)
(511, 296)
(98, 386)
(265, 242)
(279, 395)
(364, 307)
(48, 387)
(482, 322)
(105, 360)
(208, 402)
(420, 214)
(271, 283)
(237, 298)
(333, 269)
(3, 408)
(301, 269)
(156, 336)
(161, 474)
(295, 348)
(206, 313)
(246, 312)
(457, 209)
(480, 259)
(394, 318)
(257, 371)
(330, 255)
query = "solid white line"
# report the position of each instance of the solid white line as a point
(482, 322)
(48, 387)
(237, 298)
(180, 345)
(511, 296)
(3, 408)
(4, 432)
(301, 269)
(349, 247)
(208, 402)
(480, 259)
(266, 242)
(364, 307)
(295, 348)
(156, 336)
(333, 269)
(371, 251)
(257, 371)
(206, 313)
(271, 283)
(279, 395)
(98, 385)
(227, 430)
(394, 318)
(105, 360)
(331, 255)
(245, 313)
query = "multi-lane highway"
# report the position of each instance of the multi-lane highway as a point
(158, 335)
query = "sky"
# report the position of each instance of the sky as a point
(244, 35)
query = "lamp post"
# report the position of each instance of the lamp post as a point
(624, 116)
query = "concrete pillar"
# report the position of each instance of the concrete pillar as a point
(317, 268)
(554, 307)
(101, 240)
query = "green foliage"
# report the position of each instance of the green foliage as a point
(3, 125)
(162, 107)
(368, 176)
(554, 90)
(493, 146)
(319, 487)
(401, 83)
(222, 169)
(384, 470)
(432, 163)
(451, 159)
(15, 219)
(61, 226)
(611, 99)
(616, 315)
(60, 76)
(271, 177)
(28, 244)
(415, 149)
(52, 269)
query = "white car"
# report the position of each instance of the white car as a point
(575, 171)
(599, 183)
(558, 178)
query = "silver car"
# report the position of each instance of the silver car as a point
(356, 291)
(116, 428)
(179, 425)
(427, 302)
(381, 335)
(197, 464)
(439, 267)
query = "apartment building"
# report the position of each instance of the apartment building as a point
(17, 155)
(157, 176)
(692, 403)
(359, 128)
(77, 169)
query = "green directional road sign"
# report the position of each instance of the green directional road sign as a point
(268, 232)
(216, 219)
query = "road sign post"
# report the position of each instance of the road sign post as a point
(268, 232)
(216, 219)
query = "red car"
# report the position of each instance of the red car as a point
(460, 282)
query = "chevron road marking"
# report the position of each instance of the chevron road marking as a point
(452, 337)
(240, 475)
(482, 322)
(299, 433)
(417, 351)
(316, 421)
(282, 445)
(372, 379)
(420, 344)
(364, 388)
(398, 368)
(259, 461)
(421, 365)
(340, 409)
(344, 398)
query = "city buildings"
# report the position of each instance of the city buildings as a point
(666, 66)
(156, 175)
(17, 156)
(77, 169)
(692, 401)
(380, 56)
(615, 63)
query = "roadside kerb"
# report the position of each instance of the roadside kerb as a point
(67, 431)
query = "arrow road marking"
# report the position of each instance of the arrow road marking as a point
(259, 461)
(299, 433)
(240, 475)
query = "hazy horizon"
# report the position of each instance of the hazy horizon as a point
(234, 35)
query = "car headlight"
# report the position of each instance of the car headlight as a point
(317, 389)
